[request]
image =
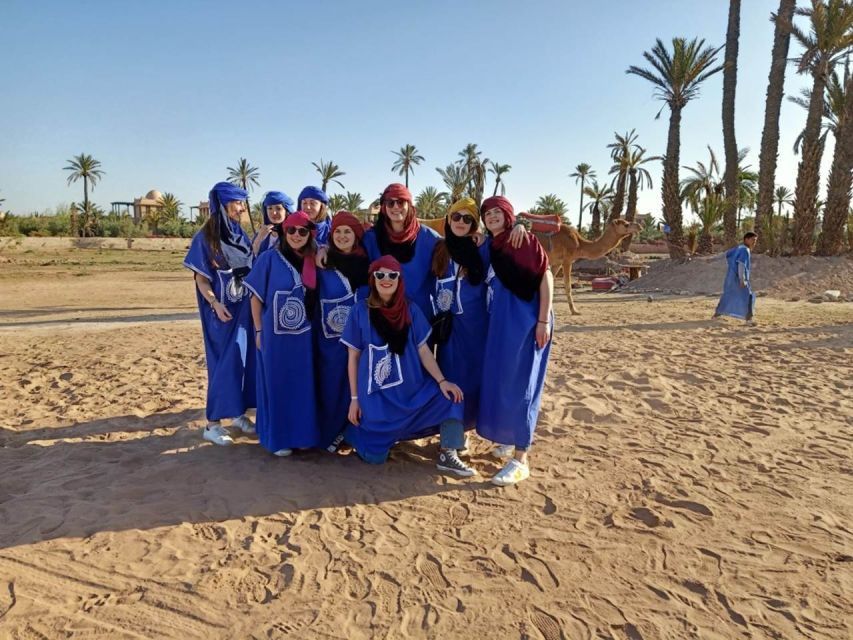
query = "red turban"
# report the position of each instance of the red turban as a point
(397, 311)
(411, 226)
(309, 269)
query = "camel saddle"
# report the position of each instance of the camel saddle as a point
(543, 223)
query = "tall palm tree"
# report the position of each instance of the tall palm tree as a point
(431, 203)
(619, 153)
(638, 178)
(246, 177)
(337, 203)
(407, 158)
(455, 178)
(677, 77)
(710, 212)
(353, 202)
(329, 172)
(600, 197)
(833, 105)
(768, 156)
(829, 37)
(582, 172)
(499, 170)
(702, 180)
(86, 167)
(730, 205)
(837, 209)
(475, 169)
(782, 196)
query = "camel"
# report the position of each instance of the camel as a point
(567, 245)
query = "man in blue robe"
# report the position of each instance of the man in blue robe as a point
(738, 300)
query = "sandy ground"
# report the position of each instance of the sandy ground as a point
(691, 479)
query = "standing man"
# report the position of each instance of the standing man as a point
(738, 300)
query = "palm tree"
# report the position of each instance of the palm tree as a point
(246, 177)
(431, 203)
(702, 180)
(475, 169)
(582, 172)
(600, 196)
(768, 156)
(353, 202)
(455, 178)
(337, 203)
(619, 153)
(782, 196)
(407, 157)
(638, 177)
(86, 167)
(829, 38)
(550, 204)
(676, 76)
(730, 205)
(710, 212)
(830, 240)
(833, 105)
(329, 172)
(499, 170)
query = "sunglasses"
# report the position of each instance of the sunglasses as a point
(302, 231)
(464, 217)
(392, 275)
(391, 202)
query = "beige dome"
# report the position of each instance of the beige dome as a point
(153, 195)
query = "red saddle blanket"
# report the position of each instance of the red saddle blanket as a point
(543, 223)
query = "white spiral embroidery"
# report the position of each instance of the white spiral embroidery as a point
(382, 370)
(445, 300)
(292, 314)
(234, 290)
(337, 318)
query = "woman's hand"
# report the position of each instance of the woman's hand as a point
(258, 340)
(354, 413)
(478, 238)
(451, 391)
(221, 311)
(517, 236)
(542, 334)
(264, 231)
(320, 258)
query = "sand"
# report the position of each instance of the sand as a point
(691, 479)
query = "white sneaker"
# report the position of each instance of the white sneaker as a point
(282, 453)
(217, 434)
(244, 424)
(503, 451)
(513, 472)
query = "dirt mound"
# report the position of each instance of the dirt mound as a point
(799, 277)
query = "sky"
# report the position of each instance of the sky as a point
(166, 95)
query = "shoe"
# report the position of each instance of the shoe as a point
(448, 460)
(513, 472)
(244, 424)
(503, 451)
(282, 453)
(217, 434)
(463, 450)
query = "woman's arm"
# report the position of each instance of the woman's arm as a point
(354, 414)
(207, 293)
(450, 390)
(546, 294)
(261, 237)
(257, 319)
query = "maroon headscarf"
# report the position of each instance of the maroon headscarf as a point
(391, 322)
(352, 265)
(520, 270)
(400, 244)
(346, 219)
(306, 254)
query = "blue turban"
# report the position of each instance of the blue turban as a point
(313, 192)
(278, 197)
(235, 245)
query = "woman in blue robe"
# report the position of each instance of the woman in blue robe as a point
(397, 389)
(276, 207)
(283, 284)
(340, 285)
(459, 267)
(518, 344)
(315, 202)
(220, 256)
(738, 300)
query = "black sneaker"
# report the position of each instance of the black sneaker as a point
(449, 461)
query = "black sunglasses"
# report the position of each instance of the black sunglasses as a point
(465, 217)
(380, 275)
(392, 202)
(302, 231)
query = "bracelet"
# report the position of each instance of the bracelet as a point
(442, 380)
(258, 330)
(542, 322)
(353, 397)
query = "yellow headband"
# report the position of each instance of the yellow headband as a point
(467, 205)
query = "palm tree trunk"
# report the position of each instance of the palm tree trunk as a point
(706, 243)
(830, 241)
(85, 206)
(249, 206)
(769, 154)
(619, 198)
(407, 177)
(580, 207)
(595, 230)
(729, 141)
(669, 188)
(631, 213)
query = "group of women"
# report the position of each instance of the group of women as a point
(344, 336)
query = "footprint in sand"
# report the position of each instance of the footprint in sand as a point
(430, 568)
(296, 622)
(546, 624)
(459, 514)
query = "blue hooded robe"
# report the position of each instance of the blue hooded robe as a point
(737, 301)
(271, 198)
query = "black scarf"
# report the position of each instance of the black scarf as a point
(396, 339)
(464, 252)
(521, 282)
(402, 251)
(297, 261)
(352, 266)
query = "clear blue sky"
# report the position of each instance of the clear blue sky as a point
(167, 94)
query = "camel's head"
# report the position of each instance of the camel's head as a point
(624, 228)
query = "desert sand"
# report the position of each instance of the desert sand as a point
(691, 479)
